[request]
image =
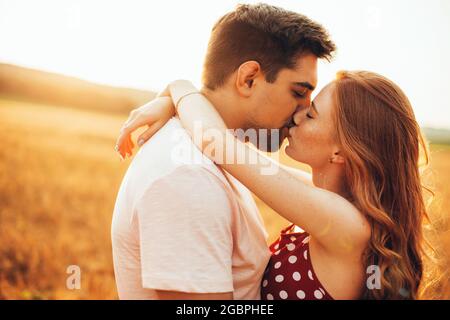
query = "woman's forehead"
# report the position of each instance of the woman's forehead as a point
(324, 99)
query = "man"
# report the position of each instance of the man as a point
(183, 228)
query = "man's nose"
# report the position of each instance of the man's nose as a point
(290, 123)
(307, 103)
(296, 117)
(300, 111)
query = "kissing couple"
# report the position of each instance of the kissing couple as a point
(187, 227)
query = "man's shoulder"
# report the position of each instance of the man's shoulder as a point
(188, 189)
(162, 143)
(172, 147)
(171, 154)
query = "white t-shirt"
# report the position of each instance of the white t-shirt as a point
(181, 223)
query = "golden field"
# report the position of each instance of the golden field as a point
(59, 177)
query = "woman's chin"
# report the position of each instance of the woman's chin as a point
(289, 151)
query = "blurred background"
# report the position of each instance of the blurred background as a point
(70, 72)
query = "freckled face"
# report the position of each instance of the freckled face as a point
(313, 138)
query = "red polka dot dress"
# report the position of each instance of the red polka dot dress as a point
(289, 274)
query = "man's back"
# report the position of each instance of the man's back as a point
(178, 225)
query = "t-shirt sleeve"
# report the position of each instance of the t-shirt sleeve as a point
(185, 233)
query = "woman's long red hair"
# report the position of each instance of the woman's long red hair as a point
(383, 146)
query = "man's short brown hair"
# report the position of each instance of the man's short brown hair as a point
(272, 36)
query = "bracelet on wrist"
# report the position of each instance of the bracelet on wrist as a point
(184, 96)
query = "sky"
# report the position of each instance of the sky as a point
(146, 44)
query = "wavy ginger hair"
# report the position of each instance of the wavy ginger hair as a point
(382, 143)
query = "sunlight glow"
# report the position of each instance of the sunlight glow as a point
(146, 44)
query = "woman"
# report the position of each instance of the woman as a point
(362, 208)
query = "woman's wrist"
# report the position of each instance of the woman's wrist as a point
(177, 103)
(181, 89)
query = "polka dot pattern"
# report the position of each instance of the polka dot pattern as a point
(290, 274)
(301, 294)
(318, 294)
(283, 294)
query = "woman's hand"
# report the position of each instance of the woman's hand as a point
(154, 114)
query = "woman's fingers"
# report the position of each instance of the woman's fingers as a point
(130, 142)
(126, 145)
(122, 148)
(147, 134)
(130, 146)
(120, 143)
(134, 122)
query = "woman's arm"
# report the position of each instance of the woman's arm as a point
(154, 115)
(328, 217)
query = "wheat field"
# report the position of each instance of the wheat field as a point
(59, 176)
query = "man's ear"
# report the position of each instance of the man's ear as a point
(246, 75)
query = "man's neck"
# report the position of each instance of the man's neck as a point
(227, 106)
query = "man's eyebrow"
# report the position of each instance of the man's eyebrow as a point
(306, 85)
(313, 105)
